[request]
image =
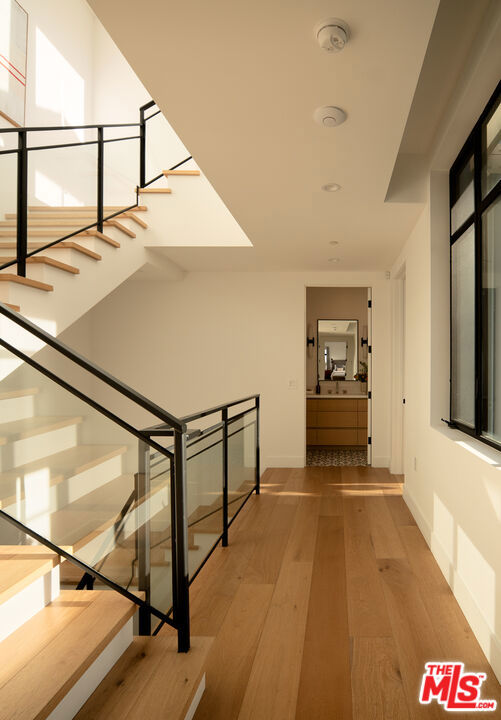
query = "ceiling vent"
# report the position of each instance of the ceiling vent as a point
(329, 116)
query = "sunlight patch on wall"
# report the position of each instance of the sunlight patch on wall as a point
(443, 526)
(50, 193)
(478, 575)
(59, 88)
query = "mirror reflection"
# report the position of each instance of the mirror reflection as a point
(337, 343)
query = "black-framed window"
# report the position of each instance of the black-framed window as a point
(475, 227)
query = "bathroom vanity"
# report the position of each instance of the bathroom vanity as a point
(336, 420)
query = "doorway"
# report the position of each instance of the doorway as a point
(338, 377)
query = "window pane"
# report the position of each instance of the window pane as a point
(491, 292)
(463, 329)
(491, 151)
(463, 197)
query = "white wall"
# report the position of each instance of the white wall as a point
(452, 483)
(252, 328)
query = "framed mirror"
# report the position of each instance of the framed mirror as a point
(337, 343)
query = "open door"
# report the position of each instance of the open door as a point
(369, 376)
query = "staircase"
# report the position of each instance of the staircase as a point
(103, 524)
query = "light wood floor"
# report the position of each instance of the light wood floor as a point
(326, 605)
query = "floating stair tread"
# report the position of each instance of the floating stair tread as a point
(57, 468)
(44, 659)
(76, 524)
(139, 221)
(155, 190)
(20, 567)
(21, 429)
(28, 282)
(22, 392)
(45, 260)
(101, 236)
(151, 680)
(120, 226)
(17, 308)
(181, 172)
(63, 245)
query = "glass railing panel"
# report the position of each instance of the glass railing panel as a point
(163, 148)
(241, 460)
(75, 478)
(121, 168)
(204, 474)
(8, 200)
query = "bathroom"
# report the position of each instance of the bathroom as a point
(338, 375)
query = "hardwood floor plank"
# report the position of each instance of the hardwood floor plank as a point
(378, 693)
(367, 610)
(264, 565)
(413, 632)
(385, 537)
(273, 684)
(302, 538)
(232, 653)
(399, 511)
(325, 683)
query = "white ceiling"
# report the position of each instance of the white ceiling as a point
(239, 83)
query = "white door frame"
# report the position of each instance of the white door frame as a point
(398, 372)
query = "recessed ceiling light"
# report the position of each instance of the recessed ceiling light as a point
(331, 187)
(334, 260)
(333, 242)
(329, 116)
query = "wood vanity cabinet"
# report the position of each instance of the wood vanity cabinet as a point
(336, 421)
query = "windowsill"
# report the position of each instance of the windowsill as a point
(481, 450)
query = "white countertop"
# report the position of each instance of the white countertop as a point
(333, 395)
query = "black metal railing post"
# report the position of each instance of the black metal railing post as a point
(143, 540)
(22, 203)
(224, 417)
(142, 148)
(258, 449)
(181, 584)
(100, 179)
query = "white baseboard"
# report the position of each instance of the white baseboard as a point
(488, 641)
(85, 686)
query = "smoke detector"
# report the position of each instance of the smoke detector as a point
(332, 34)
(329, 116)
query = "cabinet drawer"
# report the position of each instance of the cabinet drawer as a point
(337, 419)
(362, 405)
(311, 437)
(361, 419)
(337, 437)
(311, 404)
(341, 404)
(311, 419)
(361, 437)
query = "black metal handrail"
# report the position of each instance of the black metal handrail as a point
(23, 150)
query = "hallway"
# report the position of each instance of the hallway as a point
(327, 605)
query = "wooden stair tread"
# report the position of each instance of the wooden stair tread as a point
(120, 226)
(63, 245)
(20, 429)
(101, 236)
(17, 308)
(10, 277)
(21, 565)
(21, 392)
(76, 524)
(151, 680)
(44, 658)
(56, 468)
(181, 172)
(155, 190)
(45, 260)
(139, 221)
